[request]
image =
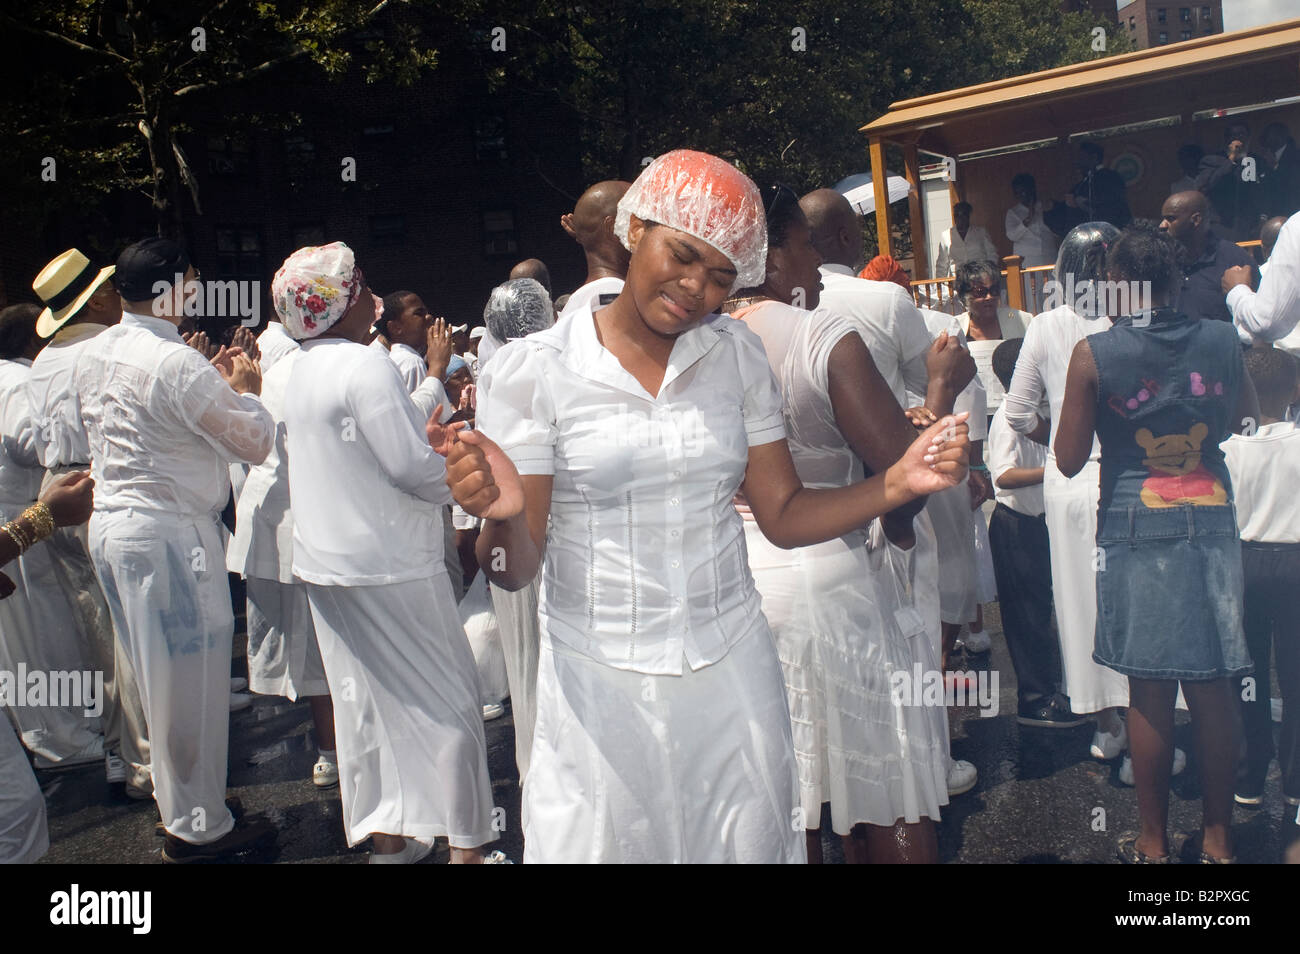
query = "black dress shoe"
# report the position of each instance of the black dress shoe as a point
(249, 834)
(1048, 714)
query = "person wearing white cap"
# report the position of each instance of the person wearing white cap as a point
(662, 729)
(81, 303)
(471, 351)
(368, 497)
(164, 424)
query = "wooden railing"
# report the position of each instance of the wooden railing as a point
(1024, 288)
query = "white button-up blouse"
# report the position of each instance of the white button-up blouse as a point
(645, 559)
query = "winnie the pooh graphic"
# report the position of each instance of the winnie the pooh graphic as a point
(1177, 476)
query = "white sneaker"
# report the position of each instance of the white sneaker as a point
(1106, 746)
(93, 752)
(324, 774)
(238, 683)
(240, 700)
(1126, 767)
(493, 710)
(978, 642)
(114, 769)
(411, 852)
(962, 776)
(496, 858)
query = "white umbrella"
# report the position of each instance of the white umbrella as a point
(861, 192)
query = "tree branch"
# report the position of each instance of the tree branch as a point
(65, 40)
(97, 121)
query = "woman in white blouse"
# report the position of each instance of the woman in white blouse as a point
(662, 729)
(882, 765)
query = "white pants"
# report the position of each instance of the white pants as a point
(520, 639)
(37, 628)
(23, 835)
(283, 658)
(407, 716)
(165, 582)
(1071, 511)
(949, 513)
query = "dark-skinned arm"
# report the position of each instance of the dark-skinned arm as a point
(1078, 424)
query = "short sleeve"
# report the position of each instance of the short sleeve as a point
(515, 407)
(762, 408)
(1000, 451)
(826, 332)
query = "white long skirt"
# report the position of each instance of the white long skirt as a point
(412, 758)
(950, 516)
(858, 747)
(636, 768)
(1071, 511)
(164, 579)
(520, 630)
(283, 658)
(37, 628)
(23, 833)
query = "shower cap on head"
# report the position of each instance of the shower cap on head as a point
(517, 308)
(315, 287)
(708, 198)
(1083, 252)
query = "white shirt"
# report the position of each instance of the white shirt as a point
(367, 489)
(20, 468)
(973, 399)
(410, 365)
(163, 424)
(1007, 449)
(888, 321)
(273, 344)
(1035, 242)
(645, 557)
(1265, 470)
(1274, 310)
(955, 250)
(593, 295)
(262, 545)
(1012, 324)
(60, 432)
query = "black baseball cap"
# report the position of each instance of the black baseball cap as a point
(142, 266)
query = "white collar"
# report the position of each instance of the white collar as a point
(161, 327)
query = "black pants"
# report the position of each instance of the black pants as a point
(1272, 576)
(1023, 568)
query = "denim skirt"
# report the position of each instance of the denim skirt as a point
(1169, 593)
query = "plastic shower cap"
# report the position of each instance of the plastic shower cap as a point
(703, 196)
(1083, 252)
(517, 308)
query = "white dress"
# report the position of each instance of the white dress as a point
(368, 498)
(1070, 505)
(283, 658)
(832, 609)
(662, 730)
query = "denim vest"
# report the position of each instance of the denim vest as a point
(1166, 398)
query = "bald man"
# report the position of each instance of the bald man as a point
(591, 225)
(1203, 255)
(535, 269)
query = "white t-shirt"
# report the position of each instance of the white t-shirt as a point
(645, 567)
(1265, 470)
(597, 294)
(1007, 449)
(888, 321)
(60, 431)
(409, 364)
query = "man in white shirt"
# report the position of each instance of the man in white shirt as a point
(82, 304)
(368, 496)
(1273, 311)
(962, 243)
(163, 425)
(591, 225)
(405, 323)
(1031, 239)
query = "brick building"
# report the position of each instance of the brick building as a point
(1160, 22)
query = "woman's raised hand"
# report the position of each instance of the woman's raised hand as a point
(937, 459)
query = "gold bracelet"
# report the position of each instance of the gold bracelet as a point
(15, 535)
(42, 521)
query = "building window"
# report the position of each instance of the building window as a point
(1185, 35)
(1132, 23)
(239, 254)
(1205, 13)
(490, 138)
(499, 232)
(1208, 29)
(385, 229)
(1185, 14)
(1160, 15)
(1164, 37)
(228, 155)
